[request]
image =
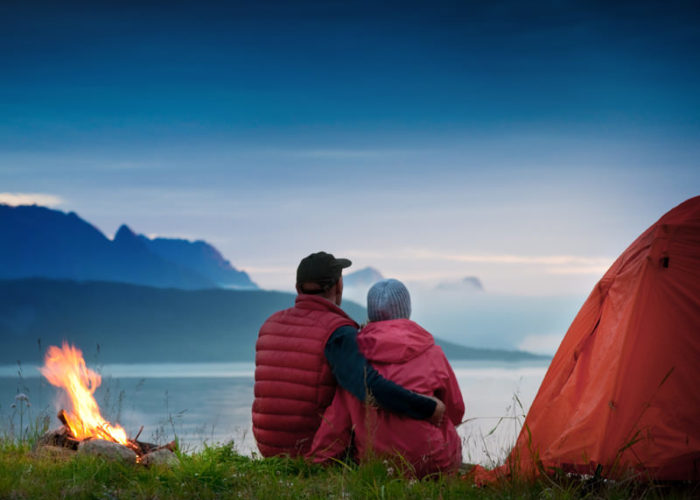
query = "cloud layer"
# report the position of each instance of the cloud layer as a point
(45, 199)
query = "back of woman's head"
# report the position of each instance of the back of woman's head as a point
(388, 299)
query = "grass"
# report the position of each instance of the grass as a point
(220, 472)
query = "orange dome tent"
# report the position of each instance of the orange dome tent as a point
(623, 390)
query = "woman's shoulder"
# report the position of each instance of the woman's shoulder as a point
(400, 325)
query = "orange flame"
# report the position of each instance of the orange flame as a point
(65, 367)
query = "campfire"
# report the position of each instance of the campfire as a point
(65, 368)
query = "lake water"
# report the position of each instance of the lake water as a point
(211, 402)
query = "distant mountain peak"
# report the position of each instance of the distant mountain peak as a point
(364, 277)
(124, 233)
(470, 283)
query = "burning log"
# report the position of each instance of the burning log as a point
(60, 437)
(62, 417)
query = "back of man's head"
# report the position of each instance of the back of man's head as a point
(319, 272)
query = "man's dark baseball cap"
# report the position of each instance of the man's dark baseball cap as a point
(321, 267)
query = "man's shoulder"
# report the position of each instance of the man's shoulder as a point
(326, 322)
(299, 313)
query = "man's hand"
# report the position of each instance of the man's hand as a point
(439, 413)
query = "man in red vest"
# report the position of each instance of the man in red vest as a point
(304, 351)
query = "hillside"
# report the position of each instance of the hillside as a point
(131, 323)
(456, 351)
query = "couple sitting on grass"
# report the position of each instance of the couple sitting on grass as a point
(323, 390)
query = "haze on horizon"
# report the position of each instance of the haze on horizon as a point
(526, 144)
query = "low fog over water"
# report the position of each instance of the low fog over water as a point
(479, 318)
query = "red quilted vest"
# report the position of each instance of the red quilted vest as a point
(293, 381)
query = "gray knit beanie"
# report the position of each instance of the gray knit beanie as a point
(388, 299)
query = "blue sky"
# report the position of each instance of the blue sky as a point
(525, 143)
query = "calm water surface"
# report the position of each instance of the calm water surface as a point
(210, 402)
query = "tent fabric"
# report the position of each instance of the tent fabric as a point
(622, 392)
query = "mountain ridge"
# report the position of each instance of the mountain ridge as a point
(201, 256)
(36, 241)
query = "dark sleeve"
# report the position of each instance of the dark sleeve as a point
(354, 374)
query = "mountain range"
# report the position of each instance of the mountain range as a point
(40, 242)
(139, 299)
(128, 323)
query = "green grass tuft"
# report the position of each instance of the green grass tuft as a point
(220, 472)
